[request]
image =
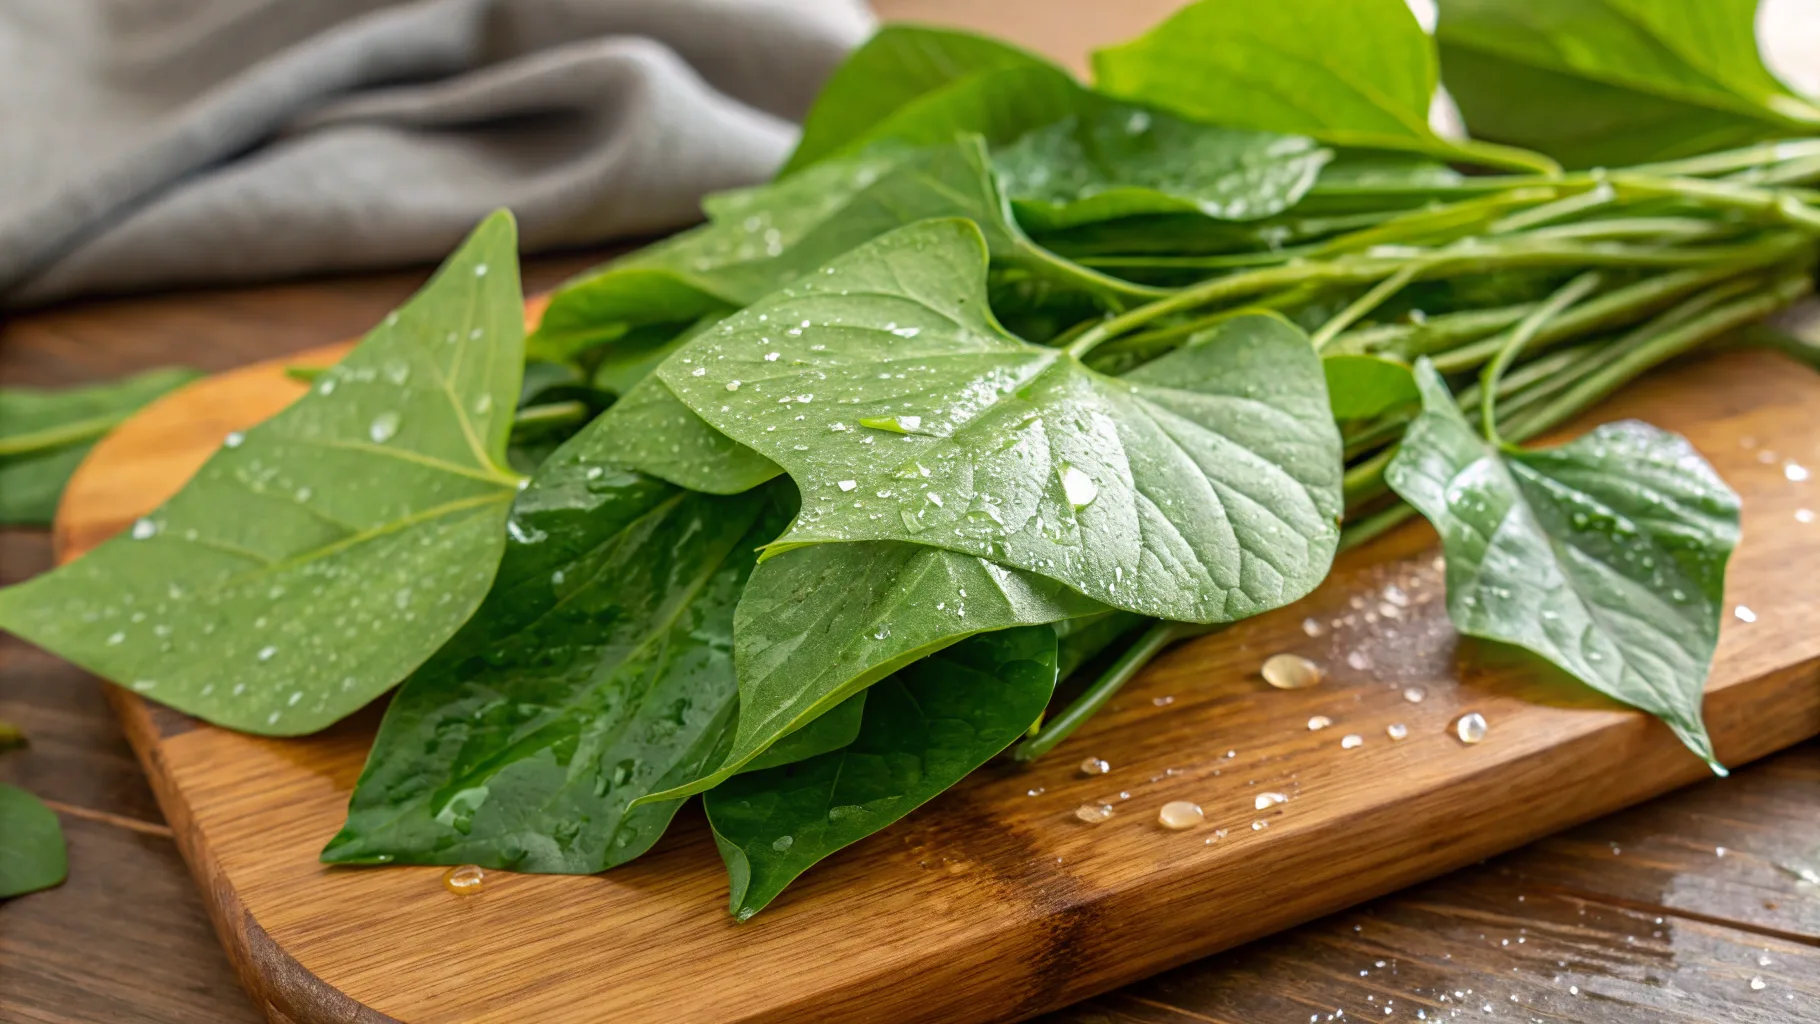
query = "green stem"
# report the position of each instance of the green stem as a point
(61, 436)
(1379, 294)
(1160, 635)
(1520, 336)
(1509, 158)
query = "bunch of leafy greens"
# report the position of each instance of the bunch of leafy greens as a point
(1005, 375)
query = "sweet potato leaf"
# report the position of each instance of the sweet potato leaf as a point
(1361, 386)
(925, 728)
(1606, 555)
(46, 433)
(316, 560)
(1612, 82)
(32, 852)
(599, 668)
(1202, 487)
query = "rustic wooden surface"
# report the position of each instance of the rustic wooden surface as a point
(1634, 917)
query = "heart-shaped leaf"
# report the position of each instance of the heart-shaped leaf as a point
(1202, 487)
(32, 852)
(314, 561)
(1606, 555)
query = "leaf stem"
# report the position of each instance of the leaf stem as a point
(1160, 635)
(60, 436)
(1520, 336)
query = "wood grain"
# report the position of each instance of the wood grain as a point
(994, 904)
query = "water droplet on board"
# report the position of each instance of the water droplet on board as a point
(1397, 731)
(383, 428)
(1095, 766)
(1313, 627)
(1804, 515)
(1093, 814)
(144, 529)
(1078, 487)
(1414, 694)
(1470, 727)
(1318, 723)
(1757, 985)
(1794, 471)
(1359, 661)
(1259, 826)
(465, 880)
(1744, 613)
(1351, 740)
(1266, 801)
(1292, 672)
(1179, 814)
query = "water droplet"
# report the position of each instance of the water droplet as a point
(1319, 722)
(1093, 814)
(1744, 613)
(266, 653)
(1718, 851)
(480, 270)
(1414, 694)
(144, 529)
(234, 439)
(1794, 471)
(1179, 814)
(934, 499)
(733, 385)
(699, 371)
(847, 485)
(1259, 826)
(1313, 627)
(1095, 766)
(1266, 801)
(1358, 660)
(1163, 701)
(1036, 791)
(1757, 985)
(1351, 740)
(1470, 727)
(466, 880)
(782, 843)
(142, 685)
(1804, 515)
(897, 424)
(1397, 731)
(383, 428)
(1292, 672)
(116, 639)
(907, 332)
(1078, 487)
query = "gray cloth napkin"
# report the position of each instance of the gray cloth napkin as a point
(149, 143)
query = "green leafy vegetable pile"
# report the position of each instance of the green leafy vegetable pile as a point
(1003, 376)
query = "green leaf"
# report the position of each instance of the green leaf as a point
(46, 433)
(832, 731)
(897, 66)
(599, 668)
(1363, 387)
(821, 623)
(314, 561)
(32, 854)
(1202, 487)
(1606, 555)
(1613, 82)
(1351, 72)
(658, 435)
(758, 240)
(1113, 160)
(925, 728)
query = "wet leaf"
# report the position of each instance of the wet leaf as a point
(832, 731)
(315, 561)
(658, 435)
(599, 668)
(1606, 555)
(1613, 82)
(1112, 160)
(758, 240)
(32, 854)
(821, 623)
(1202, 487)
(925, 728)
(46, 433)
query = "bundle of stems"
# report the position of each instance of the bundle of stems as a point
(1636, 267)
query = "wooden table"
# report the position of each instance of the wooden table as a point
(1668, 912)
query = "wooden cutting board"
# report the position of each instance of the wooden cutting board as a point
(994, 902)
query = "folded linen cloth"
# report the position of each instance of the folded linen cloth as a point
(150, 143)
